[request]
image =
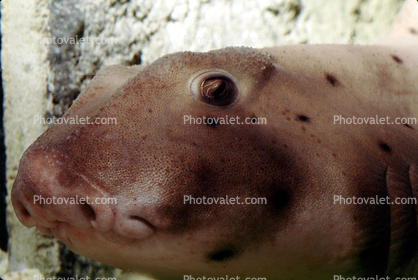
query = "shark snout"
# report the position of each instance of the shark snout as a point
(54, 196)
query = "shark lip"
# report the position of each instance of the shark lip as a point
(114, 237)
(63, 232)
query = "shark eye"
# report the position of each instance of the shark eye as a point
(214, 89)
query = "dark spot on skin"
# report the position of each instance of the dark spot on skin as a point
(285, 146)
(318, 141)
(397, 59)
(205, 173)
(211, 122)
(385, 147)
(332, 80)
(254, 119)
(303, 129)
(150, 110)
(279, 200)
(408, 126)
(313, 136)
(343, 173)
(303, 118)
(288, 118)
(334, 155)
(413, 31)
(317, 154)
(223, 254)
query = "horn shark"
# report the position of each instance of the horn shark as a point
(290, 162)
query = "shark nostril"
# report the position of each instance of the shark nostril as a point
(88, 212)
(23, 214)
(22, 210)
(142, 220)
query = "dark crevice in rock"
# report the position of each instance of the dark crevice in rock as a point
(67, 27)
(4, 237)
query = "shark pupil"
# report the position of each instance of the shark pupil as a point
(218, 91)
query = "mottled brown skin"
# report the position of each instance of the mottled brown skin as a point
(299, 160)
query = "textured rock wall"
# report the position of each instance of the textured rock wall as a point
(51, 49)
